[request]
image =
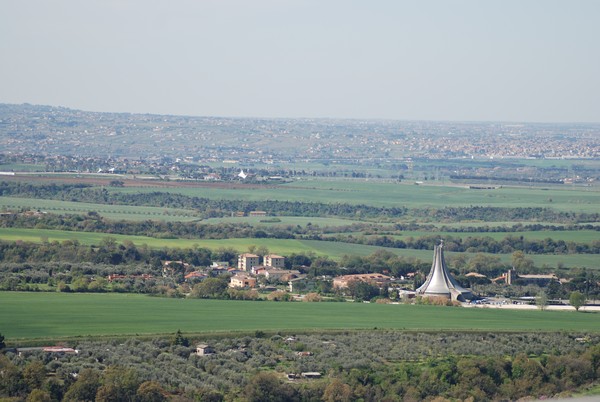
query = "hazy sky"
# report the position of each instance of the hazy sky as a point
(521, 60)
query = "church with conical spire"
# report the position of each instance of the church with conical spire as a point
(440, 283)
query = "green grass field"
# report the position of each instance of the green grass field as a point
(334, 250)
(55, 315)
(401, 194)
(356, 191)
(116, 212)
(477, 224)
(21, 167)
(580, 236)
(284, 221)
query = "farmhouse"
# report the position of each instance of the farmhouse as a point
(203, 350)
(55, 350)
(309, 375)
(195, 275)
(275, 274)
(257, 213)
(242, 281)
(281, 274)
(60, 350)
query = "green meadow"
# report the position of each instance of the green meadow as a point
(21, 167)
(56, 315)
(579, 236)
(284, 246)
(334, 250)
(390, 194)
(283, 221)
(115, 212)
(356, 191)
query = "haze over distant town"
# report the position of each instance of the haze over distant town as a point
(464, 60)
(44, 130)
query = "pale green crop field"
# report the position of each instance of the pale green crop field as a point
(21, 167)
(580, 236)
(334, 250)
(283, 221)
(478, 224)
(390, 194)
(545, 163)
(55, 315)
(115, 212)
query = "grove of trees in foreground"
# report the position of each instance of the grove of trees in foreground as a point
(373, 365)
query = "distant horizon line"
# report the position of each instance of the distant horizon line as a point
(374, 119)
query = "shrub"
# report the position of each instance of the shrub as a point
(279, 295)
(382, 300)
(312, 297)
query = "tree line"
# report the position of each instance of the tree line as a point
(372, 234)
(475, 244)
(208, 208)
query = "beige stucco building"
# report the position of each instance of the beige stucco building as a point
(274, 260)
(247, 261)
(242, 281)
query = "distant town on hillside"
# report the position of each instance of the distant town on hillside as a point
(51, 130)
(57, 139)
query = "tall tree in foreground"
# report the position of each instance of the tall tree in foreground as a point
(541, 300)
(151, 391)
(180, 340)
(84, 389)
(266, 387)
(577, 299)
